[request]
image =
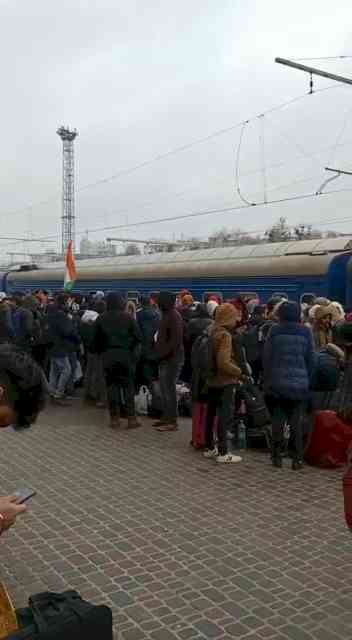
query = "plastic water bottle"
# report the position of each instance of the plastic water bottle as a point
(242, 435)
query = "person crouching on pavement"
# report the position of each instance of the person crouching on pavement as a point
(224, 375)
(170, 350)
(288, 367)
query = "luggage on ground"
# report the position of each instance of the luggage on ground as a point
(199, 420)
(329, 441)
(63, 616)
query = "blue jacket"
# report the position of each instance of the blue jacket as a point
(288, 360)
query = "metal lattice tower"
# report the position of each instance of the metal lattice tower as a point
(68, 187)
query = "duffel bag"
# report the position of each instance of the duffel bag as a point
(63, 616)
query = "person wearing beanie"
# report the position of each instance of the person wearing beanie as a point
(117, 338)
(288, 366)
(221, 382)
(170, 351)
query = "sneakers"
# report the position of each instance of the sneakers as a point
(210, 453)
(228, 458)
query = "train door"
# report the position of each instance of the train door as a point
(339, 279)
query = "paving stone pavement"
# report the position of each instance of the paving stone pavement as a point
(179, 548)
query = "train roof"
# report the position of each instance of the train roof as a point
(269, 250)
(305, 257)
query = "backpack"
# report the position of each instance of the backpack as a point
(253, 344)
(326, 372)
(63, 616)
(202, 355)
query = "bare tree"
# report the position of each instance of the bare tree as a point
(279, 232)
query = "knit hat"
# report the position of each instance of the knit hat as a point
(187, 299)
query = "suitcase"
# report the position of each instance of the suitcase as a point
(329, 441)
(199, 419)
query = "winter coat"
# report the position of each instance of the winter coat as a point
(288, 356)
(169, 342)
(7, 332)
(148, 321)
(226, 369)
(117, 337)
(23, 323)
(63, 335)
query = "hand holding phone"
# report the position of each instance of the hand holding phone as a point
(23, 495)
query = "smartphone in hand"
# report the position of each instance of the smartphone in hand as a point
(23, 495)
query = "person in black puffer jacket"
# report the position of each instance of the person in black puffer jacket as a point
(288, 367)
(117, 338)
(148, 320)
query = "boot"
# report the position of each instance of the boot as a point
(276, 455)
(133, 423)
(297, 465)
(115, 421)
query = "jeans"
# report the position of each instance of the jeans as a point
(73, 364)
(169, 371)
(284, 410)
(60, 371)
(221, 403)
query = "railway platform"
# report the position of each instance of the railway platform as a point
(180, 548)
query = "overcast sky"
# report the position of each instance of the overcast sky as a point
(138, 79)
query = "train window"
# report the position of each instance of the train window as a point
(134, 296)
(283, 294)
(212, 295)
(247, 296)
(308, 298)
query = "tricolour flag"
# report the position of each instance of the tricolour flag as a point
(70, 272)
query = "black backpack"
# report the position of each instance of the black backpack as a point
(63, 616)
(202, 356)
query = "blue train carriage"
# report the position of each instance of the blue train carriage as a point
(320, 266)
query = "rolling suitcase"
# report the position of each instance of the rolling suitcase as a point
(199, 419)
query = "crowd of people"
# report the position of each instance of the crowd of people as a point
(296, 354)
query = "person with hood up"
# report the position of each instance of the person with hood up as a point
(224, 375)
(148, 320)
(169, 347)
(288, 366)
(117, 338)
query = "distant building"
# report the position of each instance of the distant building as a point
(97, 248)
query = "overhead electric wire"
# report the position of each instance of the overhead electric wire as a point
(168, 153)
